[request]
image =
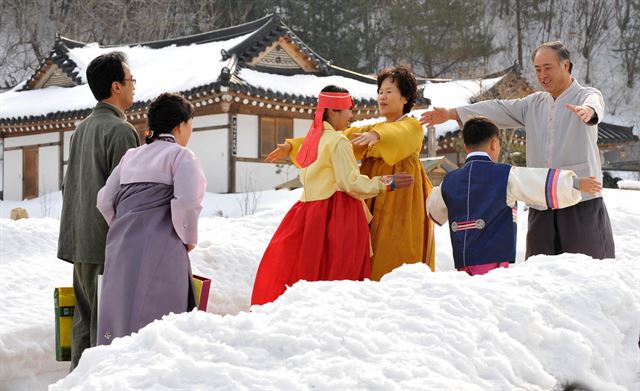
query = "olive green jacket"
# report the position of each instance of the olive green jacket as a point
(95, 150)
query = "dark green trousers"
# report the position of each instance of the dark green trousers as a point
(85, 313)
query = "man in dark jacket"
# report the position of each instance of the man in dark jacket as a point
(95, 149)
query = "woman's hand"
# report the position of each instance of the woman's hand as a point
(190, 247)
(368, 139)
(281, 151)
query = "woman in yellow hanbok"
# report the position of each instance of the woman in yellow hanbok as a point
(400, 230)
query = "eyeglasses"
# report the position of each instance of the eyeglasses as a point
(131, 80)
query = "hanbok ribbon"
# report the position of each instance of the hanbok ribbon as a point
(327, 100)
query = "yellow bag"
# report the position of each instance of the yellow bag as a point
(64, 303)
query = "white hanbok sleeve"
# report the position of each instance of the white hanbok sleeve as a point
(436, 208)
(189, 184)
(595, 100)
(543, 188)
(507, 113)
(107, 195)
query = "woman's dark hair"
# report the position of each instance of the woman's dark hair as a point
(165, 112)
(103, 71)
(405, 81)
(477, 131)
(332, 88)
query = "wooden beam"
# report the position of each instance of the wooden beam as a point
(32, 146)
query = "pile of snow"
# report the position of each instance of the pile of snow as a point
(539, 323)
(629, 184)
(550, 320)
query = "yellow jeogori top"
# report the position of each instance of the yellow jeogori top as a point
(336, 169)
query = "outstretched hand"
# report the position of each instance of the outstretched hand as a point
(437, 115)
(402, 179)
(281, 151)
(589, 184)
(585, 113)
(368, 139)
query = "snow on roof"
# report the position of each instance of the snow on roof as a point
(307, 84)
(457, 93)
(168, 69)
(453, 94)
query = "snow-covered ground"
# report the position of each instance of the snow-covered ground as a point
(534, 326)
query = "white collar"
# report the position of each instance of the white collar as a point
(478, 153)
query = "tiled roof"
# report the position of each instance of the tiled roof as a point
(615, 134)
(260, 34)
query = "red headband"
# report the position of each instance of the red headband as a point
(327, 100)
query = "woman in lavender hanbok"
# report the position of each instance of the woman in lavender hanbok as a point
(151, 202)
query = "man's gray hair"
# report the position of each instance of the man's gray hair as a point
(559, 48)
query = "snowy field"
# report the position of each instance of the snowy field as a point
(535, 326)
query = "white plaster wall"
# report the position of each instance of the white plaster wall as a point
(10, 142)
(1, 164)
(48, 169)
(262, 176)
(66, 140)
(301, 126)
(211, 147)
(13, 175)
(248, 136)
(210, 120)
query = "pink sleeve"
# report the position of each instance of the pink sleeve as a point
(189, 185)
(107, 194)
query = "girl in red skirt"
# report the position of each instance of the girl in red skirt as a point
(325, 235)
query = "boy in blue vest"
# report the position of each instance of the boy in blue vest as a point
(479, 199)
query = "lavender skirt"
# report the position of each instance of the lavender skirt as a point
(147, 273)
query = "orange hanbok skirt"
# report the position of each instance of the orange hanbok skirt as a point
(322, 240)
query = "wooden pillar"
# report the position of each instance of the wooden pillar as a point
(432, 143)
(60, 159)
(233, 150)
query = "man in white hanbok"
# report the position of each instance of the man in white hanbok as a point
(562, 132)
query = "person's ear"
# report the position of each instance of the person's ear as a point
(494, 144)
(466, 149)
(115, 88)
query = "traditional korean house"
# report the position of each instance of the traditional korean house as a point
(505, 84)
(252, 85)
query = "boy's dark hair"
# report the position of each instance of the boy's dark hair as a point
(165, 112)
(405, 81)
(332, 88)
(477, 131)
(103, 71)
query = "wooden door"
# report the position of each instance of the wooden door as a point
(29, 172)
